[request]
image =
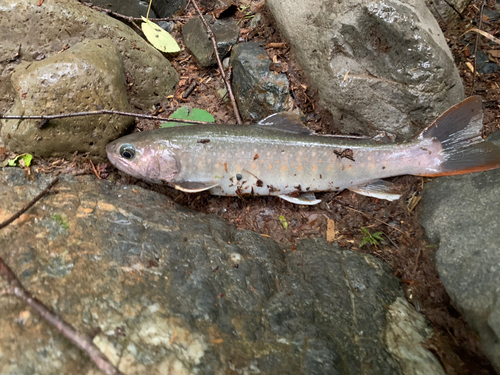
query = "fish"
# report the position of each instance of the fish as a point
(279, 156)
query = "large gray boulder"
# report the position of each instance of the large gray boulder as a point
(462, 215)
(86, 77)
(377, 66)
(36, 32)
(169, 291)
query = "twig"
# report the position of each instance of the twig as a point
(46, 118)
(95, 171)
(30, 204)
(219, 62)
(450, 4)
(189, 90)
(369, 217)
(475, 48)
(16, 288)
(126, 18)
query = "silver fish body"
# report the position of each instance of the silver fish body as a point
(265, 160)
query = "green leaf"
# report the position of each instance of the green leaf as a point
(23, 160)
(365, 231)
(158, 37)
(283, 222)
(184, 113)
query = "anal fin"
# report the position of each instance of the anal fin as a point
(308, 199)
(378, 189)
(193, 187)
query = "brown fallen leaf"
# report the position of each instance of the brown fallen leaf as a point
(40, 2)
(483, 33)
(330, 230)
(470, 66)
(494, 52)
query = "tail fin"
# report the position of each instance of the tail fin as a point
(459, 132)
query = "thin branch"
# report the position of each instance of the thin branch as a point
(475, 48)
(369, 217)
(16, 288)
(219, 62)
(84, 343)
(126, 18)
(30, 204)
(46, 118)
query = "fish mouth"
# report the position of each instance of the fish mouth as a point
(115, 159)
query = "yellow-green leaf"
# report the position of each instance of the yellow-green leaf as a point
(158, 37)
(283, 222)
(23, 160)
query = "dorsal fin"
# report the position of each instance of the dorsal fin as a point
(289, 122)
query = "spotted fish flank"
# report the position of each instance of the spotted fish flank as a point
(280, 157)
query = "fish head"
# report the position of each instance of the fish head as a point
(141, 156)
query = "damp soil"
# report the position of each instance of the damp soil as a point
(345, 218)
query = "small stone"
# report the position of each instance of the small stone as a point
(198, 42)
(258, 91)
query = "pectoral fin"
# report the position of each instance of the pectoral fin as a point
(306, 199)
(193, 187)
(378, 189)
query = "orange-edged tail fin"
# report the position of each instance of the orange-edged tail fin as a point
(459, 132)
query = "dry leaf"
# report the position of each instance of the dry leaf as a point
(494, 52)
(330, 230)
(483, 33)
(470, 66)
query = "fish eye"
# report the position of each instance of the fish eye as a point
(127, 151)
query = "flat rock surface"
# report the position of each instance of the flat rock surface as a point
(166, 291)
(462, 215)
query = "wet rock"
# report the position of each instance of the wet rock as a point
(461, 214)
(28, 29)
(86, 77)
(171, 289)
(258, 91)
(483, 63)
(447, 10)
(378, 66)
(198, 42)
(406, 331)
(131, 8)
(167, 8)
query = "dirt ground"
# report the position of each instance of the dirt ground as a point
(340, 217)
